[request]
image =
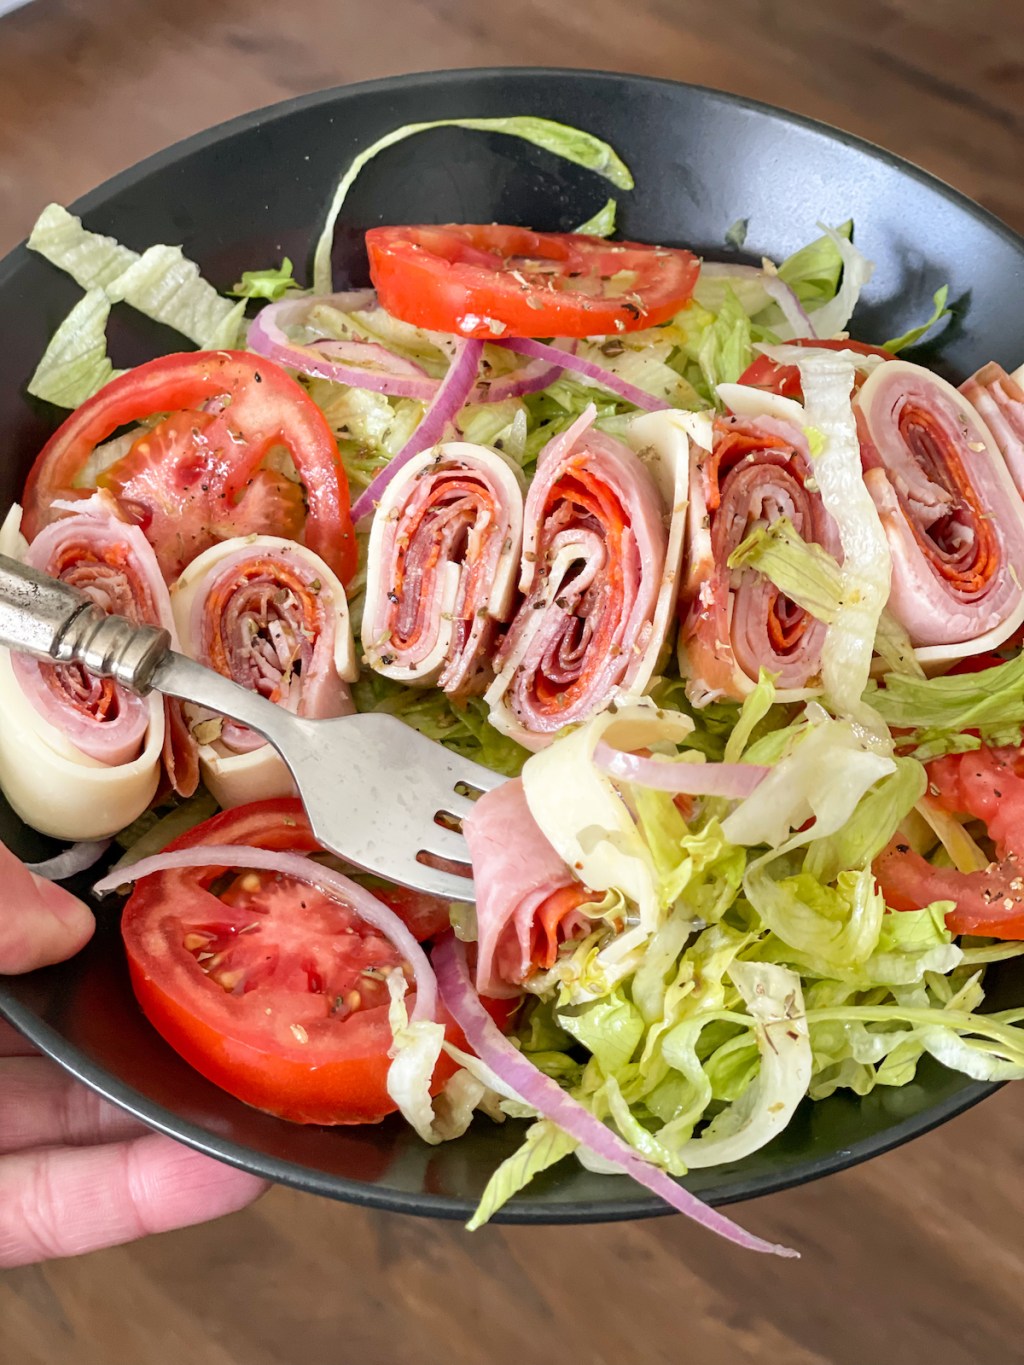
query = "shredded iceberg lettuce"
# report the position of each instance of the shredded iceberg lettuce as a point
(161, 283)
(461, 726)
(940, 310)
(602, 224)
(271, 284)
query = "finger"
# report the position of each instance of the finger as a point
(40, 922)
(45, 1107)
(65, 1201)
(12, 1044)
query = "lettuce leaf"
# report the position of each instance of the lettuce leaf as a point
(461, 726)
(92, 261)
(543, 1146)
(813, 271)
(602, 224)
(873, 823)
(75, 365)
(162, 284)
(270, 284)
(936, 711)
(910, 338)
(571, 144)
(805, 572)
(610, 1029)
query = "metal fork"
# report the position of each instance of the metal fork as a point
(378, 793)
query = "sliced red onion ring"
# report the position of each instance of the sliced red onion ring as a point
(538, 374)
(540, 350)
(451, 394)
(303, 869)
(549, 1099)
(792, 309)
(75, 858)
(268, 337)
(691, 779)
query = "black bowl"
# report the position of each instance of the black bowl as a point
(242, 195)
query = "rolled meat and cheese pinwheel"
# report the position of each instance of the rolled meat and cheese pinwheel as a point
(269, 614)
(746, 473)
(80, 757)
(951, 513)
(602, 545)
(528, 901)
(441, 567)
(998, 398)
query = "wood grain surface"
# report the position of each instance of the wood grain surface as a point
(914, 1259)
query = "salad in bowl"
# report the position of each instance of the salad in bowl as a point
(731, 597)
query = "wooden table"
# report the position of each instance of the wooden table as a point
(914, 1259)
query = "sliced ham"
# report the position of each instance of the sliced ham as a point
(998, 398)
(753, 471)
(441, 567)
(80, 757)
(951, 513)
(528, 900)
(109, 559)
(270, 615)
(595, 547)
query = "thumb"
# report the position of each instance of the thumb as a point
(40, 922)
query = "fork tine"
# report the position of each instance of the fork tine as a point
(455, 804)
(475, 775)
(445, 843)
(404, 869)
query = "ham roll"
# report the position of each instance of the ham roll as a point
(745, 473)
(529, 902)
(80, 757)
(951, 513)
(998, 398)
(269, 614)
(596, 578)
(441, 567)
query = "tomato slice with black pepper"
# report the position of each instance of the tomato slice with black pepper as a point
(987, 785)
(494, 281)
(773, 377)
(269, 988)
(237, 448)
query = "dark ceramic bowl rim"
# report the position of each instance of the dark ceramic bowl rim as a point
(156, 1116)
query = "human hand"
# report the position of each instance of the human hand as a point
(76, 1174)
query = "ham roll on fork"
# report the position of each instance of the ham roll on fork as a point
(602, 543)
(746, 473)
(80, 757)
(951, 513)
(441, 567)
(270, 615)
(529, 903)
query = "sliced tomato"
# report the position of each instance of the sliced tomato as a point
(492, 281)
(425, 916)
(215, 465)
(269, 988)
(765, 373)
(987, 785)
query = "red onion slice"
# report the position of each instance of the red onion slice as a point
(76, 858)
(531, 378)
(303, 869)
(267, 337)
(792, 309)
(540, 350)
(692, 779)
(452, 393)
(550, 1100)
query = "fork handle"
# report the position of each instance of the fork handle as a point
(43, 617)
